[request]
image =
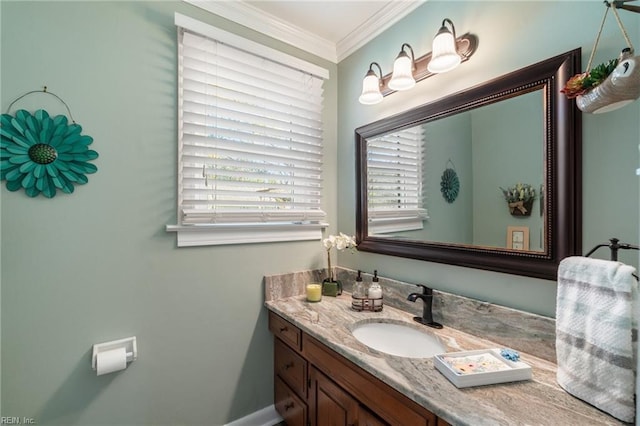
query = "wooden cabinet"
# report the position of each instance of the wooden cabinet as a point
(290, 369)
(292, 409)
(329, 404)
(285, 331)
(367, 418)
(316, 386)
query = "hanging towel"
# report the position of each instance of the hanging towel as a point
(596, 333)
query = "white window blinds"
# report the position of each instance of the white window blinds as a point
(250, 137)
(394, 185)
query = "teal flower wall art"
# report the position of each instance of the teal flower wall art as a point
(41, 154)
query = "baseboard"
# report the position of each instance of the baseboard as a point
(268, 416)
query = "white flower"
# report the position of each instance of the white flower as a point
(340, 242)
(329, 242)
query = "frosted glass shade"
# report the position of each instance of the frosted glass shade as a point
(444, 56)
(402, 77)
(370, 89)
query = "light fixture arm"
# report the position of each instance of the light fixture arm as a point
(444, 27)
(379, 75)
(413, 57)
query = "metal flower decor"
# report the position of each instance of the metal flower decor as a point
(42, 154)
(449, 185)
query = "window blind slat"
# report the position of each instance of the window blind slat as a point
(231, 89)
(206, 124)
(394, 186)
(250, 137)
(214, 66)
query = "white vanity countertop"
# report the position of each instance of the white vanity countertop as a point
(539, 401)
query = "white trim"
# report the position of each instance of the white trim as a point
(218, 234)
(375, 25)
(377, 227)
(248, 45)
(272, 26)
(268, 416)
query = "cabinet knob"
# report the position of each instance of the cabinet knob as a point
(283, 329)
(289, 365)
(288, 406)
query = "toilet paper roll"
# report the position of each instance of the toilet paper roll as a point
(110, 361)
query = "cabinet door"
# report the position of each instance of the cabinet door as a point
(329, 405)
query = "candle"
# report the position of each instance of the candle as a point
(314, 292)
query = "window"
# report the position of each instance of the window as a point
(250, 141)
(394, 185)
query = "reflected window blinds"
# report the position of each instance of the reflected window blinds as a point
(394, 177)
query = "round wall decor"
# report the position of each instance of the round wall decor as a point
(42, 154)
(449, 185)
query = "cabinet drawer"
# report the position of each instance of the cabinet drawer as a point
(285, 331)
(292, 409)
(291, 367)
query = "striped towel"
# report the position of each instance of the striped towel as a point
(596, 333)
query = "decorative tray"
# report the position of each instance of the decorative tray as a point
(481, 367)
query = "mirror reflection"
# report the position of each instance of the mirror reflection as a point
(451, 181)
(475, 178)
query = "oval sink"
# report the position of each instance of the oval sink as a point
(398, 339)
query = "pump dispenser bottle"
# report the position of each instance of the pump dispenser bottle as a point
(359, 293)
(375, 292)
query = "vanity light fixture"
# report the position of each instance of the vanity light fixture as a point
(444, 54)
(448, 52)
(371, 86)
(402, 77)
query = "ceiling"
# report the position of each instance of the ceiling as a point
(331, 20)
(331, 29)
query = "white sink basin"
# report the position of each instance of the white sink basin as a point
(398, 339)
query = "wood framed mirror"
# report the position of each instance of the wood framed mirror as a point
(517, 128)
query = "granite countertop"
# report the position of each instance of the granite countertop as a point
(539, 401)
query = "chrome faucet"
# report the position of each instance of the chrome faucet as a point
(427, 299)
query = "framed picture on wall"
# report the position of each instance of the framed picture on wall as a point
(518, 237)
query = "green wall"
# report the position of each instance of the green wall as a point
(98, 265)
(511, 35)
(507, 149)
(449, 139)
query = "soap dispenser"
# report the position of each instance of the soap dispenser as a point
(375, 292)
(358, 294)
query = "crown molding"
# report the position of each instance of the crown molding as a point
(374, 26)
(258, 20)
(251, 17)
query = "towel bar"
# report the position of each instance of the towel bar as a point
(614, 245)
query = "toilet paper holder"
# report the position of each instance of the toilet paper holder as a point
(129, 344)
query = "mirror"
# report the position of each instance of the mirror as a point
(432, 181)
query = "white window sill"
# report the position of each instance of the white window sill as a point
(222, 234)
(385, 226)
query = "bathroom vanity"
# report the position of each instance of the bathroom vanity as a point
(324, 375)
(303, 387)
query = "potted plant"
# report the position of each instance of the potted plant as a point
(331, 286)
(610, 85)
(579, 84)
(520, 198)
